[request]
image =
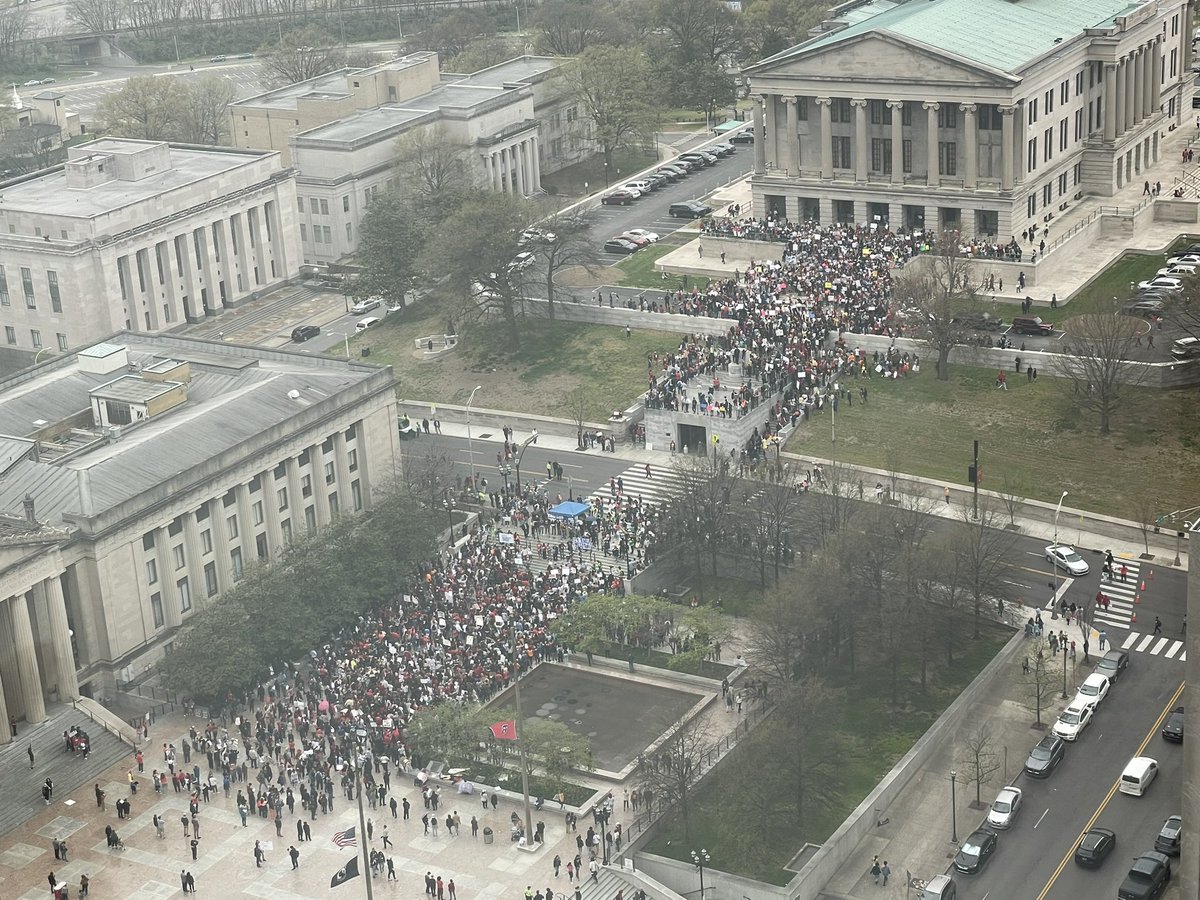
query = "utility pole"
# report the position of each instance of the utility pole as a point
(521, 742)
(975, 481)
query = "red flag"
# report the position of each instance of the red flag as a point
(505, 731)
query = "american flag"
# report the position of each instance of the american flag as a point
(345, 838)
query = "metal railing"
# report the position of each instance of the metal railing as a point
(103, 723)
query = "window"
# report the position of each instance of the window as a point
(1031, 206)
(906, 114)
(1078, 124)
(156, 609)
(1062, 184)
(257, 510)
(346, 203)
(1064, 91)
(1047, 195)
(232, 525)
(328, 232)
(285, 530)
(303, 232)
(62, 341)
(4, 300)
(260, 545)
(148, 540)
(27, 285)
(1031, 155)
(841, 152)
(306, 486)
(177, 556)
(175, 529)
(333, 505)
(300, 204)
(881, 113)
(1033, 110)
(230, 498)
(10, 333)
(802, 109)
(235, 561)
(313, 205)
(55, 298)
(206, 541)
(349, 231)
(839, 110)
(352, 457)
(990, 118)
(310, 519)
(210, 579)
(152, 571)
(1078, 85)
(1049, 101)
(302, 459)
(35, 337)
(351, 432)
(1048, 144)
(324, 207)
(329, 476)
(1062, 135)
(947, 115)
(948, 157)
(185, 594)
(906, 153)
(255, 484)
(881, 158)
(356, 495)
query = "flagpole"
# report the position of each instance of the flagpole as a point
(521, 744)
(363, 759)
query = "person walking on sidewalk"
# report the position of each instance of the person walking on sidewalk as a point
(876, 871)
(885, 871)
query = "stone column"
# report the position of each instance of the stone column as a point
(64, 656)
(793, 135)
(1111, 102)
(535, 161)
(271, 513)
(31, 676)
(1139, 84)
(296, 498)
(897, 108)
(970, 172)
(193, 555)
(771, 144)
(1150, 82)
(10, 673)
(1007, 149)
(1185, 39)
(342, 470)
(933, 172)
(488, 178)
(1119, 112)
(166, 577)
(316, 468)
(826, 105)
(861, 161)
(5, 732)
(518, 152)
(760, 139)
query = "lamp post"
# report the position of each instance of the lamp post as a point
(1054, 567)
(470, 445)
(532, 439)
(700, 859)
(345, 339)
(833, 412)
(450, 505)
(953, 809)
(363, 758)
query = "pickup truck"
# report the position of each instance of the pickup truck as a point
(1147, 879)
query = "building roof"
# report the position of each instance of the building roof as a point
(235, 395)
(370, 124)
(516, 70)
(999, 34)
(329, 86)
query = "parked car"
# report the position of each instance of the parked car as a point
(33, 82)
(302, 333)
(724, 148)
(1005, 807)
(537, 236)
(1139, 774)
(522, 261)
(368, 322)
(671, 175)
(1031, 325)
(641, 188)
(700, 159)
(1186, 258)
(690, 209)
(677, 170)
(657, 180)
(1094, 847)
(1186, 348)
(1145, 308)
(1072, 721)
(742, 137)
(638, 242)
(48, 81)
(1179, 269)
(620, 245)
(975, 851)
(1172, 729)
(1169, 836)
(408, 429)
(1112, 664)
(217, 58)
(1147, 879)
(1162, 281)
(1092, 692)
(980, 321)
(650, 236)
(619, 197)
(1045, 756)
(366, 305)
(1065, 557)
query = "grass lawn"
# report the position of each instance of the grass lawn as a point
(639, 267)
(1110, 289)
(660, 660)
(869, 738)
(1032, 433)
(532, 377)
(570, 181)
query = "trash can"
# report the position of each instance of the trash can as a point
(487, 835)
(366, 351)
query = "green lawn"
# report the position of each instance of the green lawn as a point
(1031, 433)
(869, 737)
(1110, 289)
(571, 180)
(532, 377)
(639, 267)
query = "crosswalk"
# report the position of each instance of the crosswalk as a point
(1122, 595)
(1155, 645)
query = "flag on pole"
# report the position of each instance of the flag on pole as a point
(505, 731)
(345, 873)
(345, 839)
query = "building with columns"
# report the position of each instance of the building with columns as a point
(140, 477)
(983, 116)
(340, 130)
(143, 235)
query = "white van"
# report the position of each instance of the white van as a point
(364, 324)
(1138, 775)
(642, 187)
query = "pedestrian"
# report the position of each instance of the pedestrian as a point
(195, 842)
(886, 870)
(191, 883)
(1025, 666)
(259, 855)
(29, 750)
(57, 845)
(1157, 625)
(295, 855)
(391, 864)
(648, 475)
(406, 806)
(946, 494)
(557, 859)
(84, 884)
(876, 870)
(451, 890)
(387, 841)
(1103, 640)
(570, 871)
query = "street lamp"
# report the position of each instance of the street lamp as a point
(470, 445)
(450, 504)
(953, 809)
(700, 859)
(345, 336)
(362, 761)
(1054, 567)
(532, 439)
(833, 411)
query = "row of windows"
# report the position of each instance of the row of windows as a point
(988, 116)
(35, 338)
(1049, 189)
(28, 291)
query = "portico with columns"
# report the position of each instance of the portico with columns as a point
(884, 124)
(510, 164)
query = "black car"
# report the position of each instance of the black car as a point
(690, 209)
(742, 137)
(1094, 848)
(1113, 663)
(302, 333)
(1169, 836)
(620, 245)
(975, 851)
(1173, 728)
(1045, 757)
(1147, 879)
(618, 197)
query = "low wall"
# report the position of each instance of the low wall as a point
(484, 420)
(620, 318)
(741, 248)
(681, 878)
(1171, 209)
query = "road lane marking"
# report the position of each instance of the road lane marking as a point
(1042, 816)
(1174, 648)
(1144, 644)
(1130, 641)
(1162, 642)
(1058, 870)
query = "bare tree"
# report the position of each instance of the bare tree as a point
(839, 499)
(673, 771)
(1012, 495)
(435, 171)
(1097, 361)
(483, 52)
(1039, 683)
(980, 761)
(427, 471)
(985, 547)
(1148, 508)
(14, 27)
(204, 110)
(939, 290)
(301, 54)
(608, 84)
(97, 16)
(564, 240)
(571, 26)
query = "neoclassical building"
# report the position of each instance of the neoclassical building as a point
(976, 115)
(142, 476)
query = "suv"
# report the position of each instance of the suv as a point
(1169, 836)
(1045, 757)
(1186, 348)
(1147, 879)
(690, 209)
(1172, 729)
(1031, 325)
(302, 333)
(1113, 663)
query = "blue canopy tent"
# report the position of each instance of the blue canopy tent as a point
(570, 509)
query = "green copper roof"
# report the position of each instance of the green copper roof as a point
(1002, 34)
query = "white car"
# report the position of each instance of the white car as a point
(1162, 281)
(1072, 722)
(395, 306)
(366, 305)
(522, 261)
(1065, 557)
(1178, 270)
(651, 236)
(1093, 691)
(1005, 808)
(1185, 259)
(632, 190)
